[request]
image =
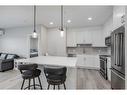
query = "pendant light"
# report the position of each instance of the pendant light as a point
(61, 28)
(34, 35)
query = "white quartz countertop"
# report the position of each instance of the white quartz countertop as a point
(87, 55)
(51, 60)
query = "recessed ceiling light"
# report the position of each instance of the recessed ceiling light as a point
(90, 18)
(51, 23)
(69, 21)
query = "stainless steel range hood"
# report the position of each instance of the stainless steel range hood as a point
(84, 45)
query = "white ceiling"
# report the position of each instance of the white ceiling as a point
(15, 16)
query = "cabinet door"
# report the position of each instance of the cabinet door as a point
(71, 39)
(79, 37)
(87, 37)
(98, 40)
(96, 62)
(84, 37)
(118, 13)
(80, 60)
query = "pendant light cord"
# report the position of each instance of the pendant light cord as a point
(34, 18)
(61, 17)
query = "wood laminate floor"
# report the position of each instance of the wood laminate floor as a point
(91, 79)
(86, 79)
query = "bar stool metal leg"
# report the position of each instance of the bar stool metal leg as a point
(40, 82)
(34, 83)
(64, 86)
(22, 84)
(58, 86)
(29, 84)
(48, 86)
(53, 86)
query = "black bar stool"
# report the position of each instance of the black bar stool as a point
(55, 76)
(30, 71)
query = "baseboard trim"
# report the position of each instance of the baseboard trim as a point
(93, 68)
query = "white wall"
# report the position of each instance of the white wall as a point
(56, 43)
(108, 27)
(16, 40)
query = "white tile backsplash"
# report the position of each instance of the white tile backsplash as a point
(90, 50)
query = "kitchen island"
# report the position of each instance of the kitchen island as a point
(69, 62)
(77, 78)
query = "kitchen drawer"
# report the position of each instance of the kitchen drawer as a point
(117, 81)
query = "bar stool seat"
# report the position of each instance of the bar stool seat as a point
(31, 74)
(56, 80)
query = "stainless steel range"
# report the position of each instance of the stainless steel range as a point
(104, 65)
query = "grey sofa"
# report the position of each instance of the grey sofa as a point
(7, 61)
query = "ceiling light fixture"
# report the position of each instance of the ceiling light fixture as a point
(61, 28)
(34, 35)
(90, 18)
(69, 21)
(51, 23)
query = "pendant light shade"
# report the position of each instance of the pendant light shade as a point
(61, 27)
(34, 35)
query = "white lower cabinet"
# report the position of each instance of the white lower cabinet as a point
(88, 61)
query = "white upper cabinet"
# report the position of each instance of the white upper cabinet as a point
(78, 36)
(71, 39)
(87, 37)
(98, 39)
(83, 36)
(118, 16)
(90, 35)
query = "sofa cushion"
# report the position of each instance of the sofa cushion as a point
(10, 56)
(3, 56)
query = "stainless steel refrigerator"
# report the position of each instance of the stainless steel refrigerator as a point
(118, 58)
